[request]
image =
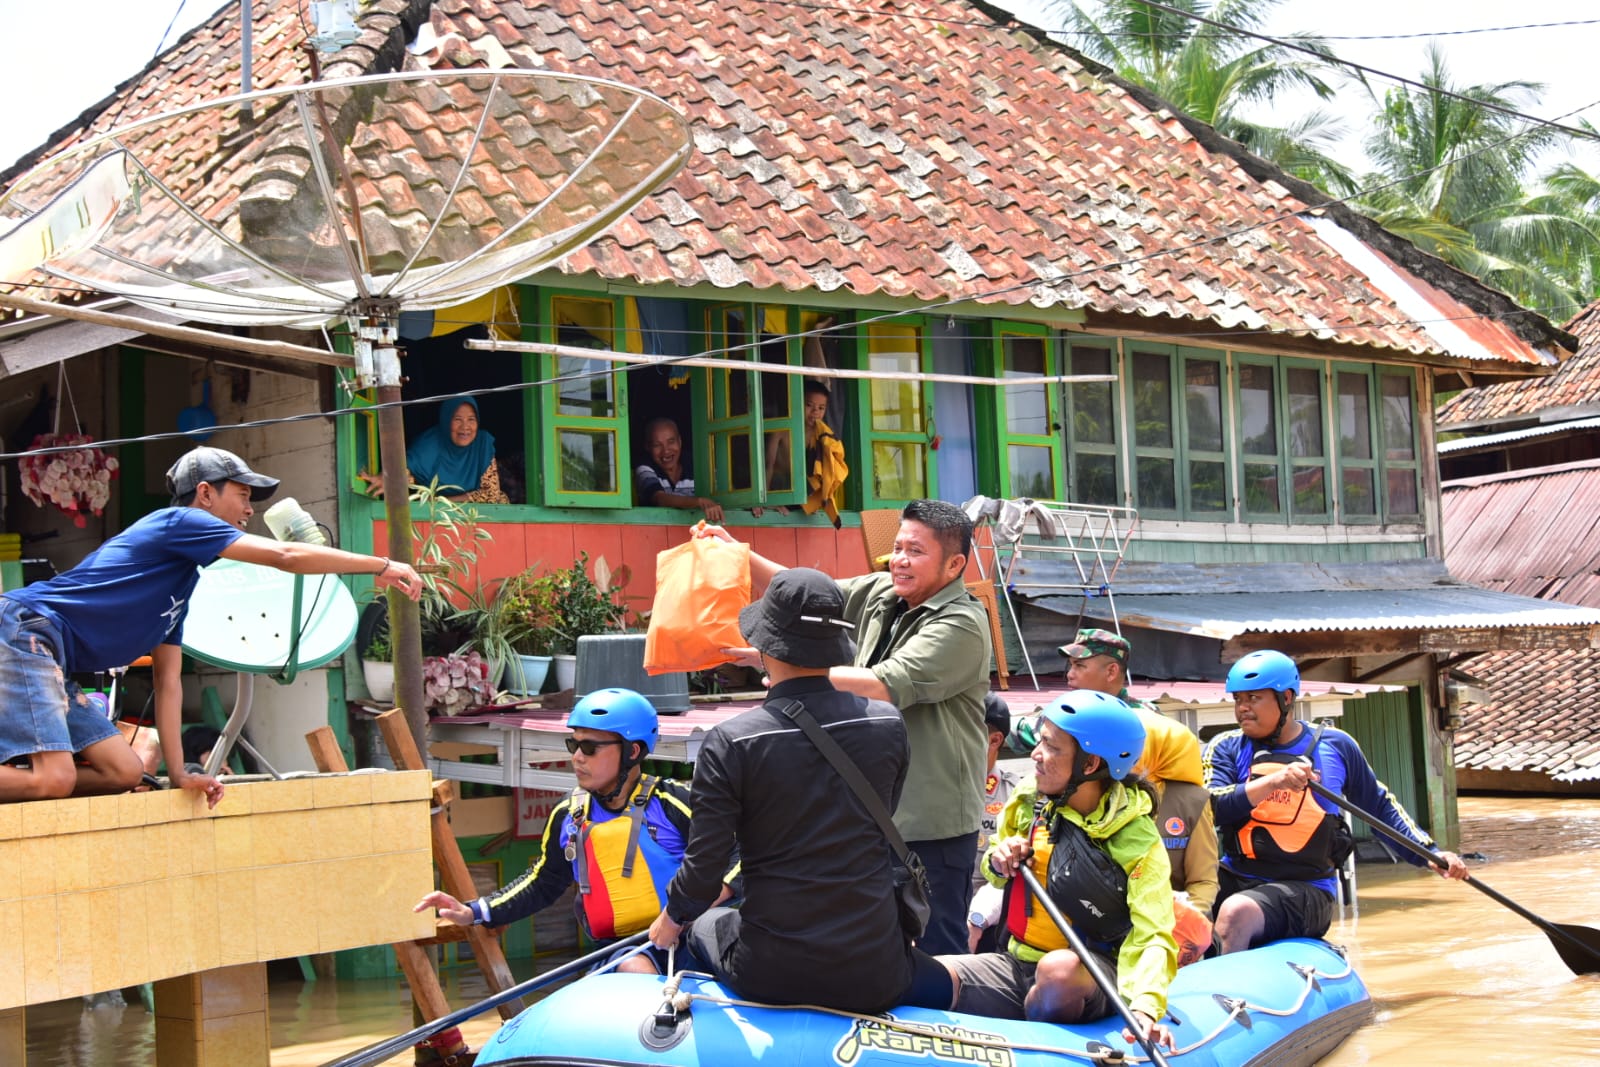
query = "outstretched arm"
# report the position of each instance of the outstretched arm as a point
(296, 557)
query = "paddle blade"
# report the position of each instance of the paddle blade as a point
(1582, 957)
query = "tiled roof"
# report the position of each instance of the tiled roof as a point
(1544, 716)
(905, 152)
(1575, 383)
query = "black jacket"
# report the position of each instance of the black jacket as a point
(819, 923)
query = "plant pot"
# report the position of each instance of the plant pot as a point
(525, 675)
(566, 668)
(379, 676)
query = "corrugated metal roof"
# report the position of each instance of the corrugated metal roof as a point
(1489, 440)
(1532, 532)
(1225, 616)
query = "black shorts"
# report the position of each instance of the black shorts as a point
(1291, 909)
(996, 984)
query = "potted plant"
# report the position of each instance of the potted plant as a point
(524, 617)
(377, 665)
(585, 605)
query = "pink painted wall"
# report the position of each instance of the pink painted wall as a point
(555, 545)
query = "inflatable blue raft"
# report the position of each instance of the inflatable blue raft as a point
(1286, 1003)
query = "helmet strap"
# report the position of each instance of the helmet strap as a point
(1283, 717)
(625, 776)
(1080, 760)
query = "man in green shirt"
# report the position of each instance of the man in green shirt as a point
(922, 644)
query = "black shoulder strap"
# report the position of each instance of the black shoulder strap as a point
(847, 769)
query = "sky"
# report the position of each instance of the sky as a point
(71, 66)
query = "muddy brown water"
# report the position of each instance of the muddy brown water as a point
(1456, 978)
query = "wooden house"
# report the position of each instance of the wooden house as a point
(942, 193)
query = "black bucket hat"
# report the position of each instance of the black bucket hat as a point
(800, 620)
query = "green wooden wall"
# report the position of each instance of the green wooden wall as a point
(1388, 726)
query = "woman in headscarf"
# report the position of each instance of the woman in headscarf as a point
(458, 454)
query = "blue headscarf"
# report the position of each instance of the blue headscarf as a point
(458, 468)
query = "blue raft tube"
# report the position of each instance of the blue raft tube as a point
(1286, 1003)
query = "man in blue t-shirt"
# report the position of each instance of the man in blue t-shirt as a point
(128, 598)
(1282, 845)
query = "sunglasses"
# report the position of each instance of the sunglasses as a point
(588, 746)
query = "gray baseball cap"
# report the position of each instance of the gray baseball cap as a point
(215, 466)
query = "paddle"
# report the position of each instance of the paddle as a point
(1087, 959)
(1578, 946)
(382, 1050)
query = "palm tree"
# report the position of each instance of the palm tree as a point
(1451, 176)
(1213, 75)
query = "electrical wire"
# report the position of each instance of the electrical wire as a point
(1034, 284)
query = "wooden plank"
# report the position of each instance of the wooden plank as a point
(453, 873)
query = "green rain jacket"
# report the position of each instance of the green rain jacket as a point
(1121, 825)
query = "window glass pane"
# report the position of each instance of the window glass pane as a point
(739, 476)
(1203, 387)
(897, 468)
(1030, 472)
(1397, 416)
(1258, 411)
(1027, 407)
(585, 387)
(588, 461)
(1261, 488)
(1305, 411)
(1207, 486)
(1310, 491)
(896, 406)
(1402, 491)
(1157, 486)
(737, 381)
(774, 387)
(1355, 421)
(1152, 401)
(1096, 480)
(1357, 489)
(780, 465)
(1091, 401)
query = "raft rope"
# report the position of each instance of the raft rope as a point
(683, 999)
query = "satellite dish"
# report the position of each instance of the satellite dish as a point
(303, 204)
(241, 616)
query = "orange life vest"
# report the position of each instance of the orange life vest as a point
(1288, 835)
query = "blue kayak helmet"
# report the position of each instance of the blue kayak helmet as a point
(619, 711)
(1267, 669)
(1103, 726)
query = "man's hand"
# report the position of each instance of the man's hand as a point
(712, 509)
(744, 656)
(706, 529)
(664, 933)
(204, 784)
(1295, 776)
(1154, 1032)
(1456, 869)
(1008, 856)
(401, 576)
(447, 906)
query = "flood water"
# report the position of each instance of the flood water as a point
(1456, 978)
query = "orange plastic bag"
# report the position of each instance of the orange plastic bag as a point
(700, 587)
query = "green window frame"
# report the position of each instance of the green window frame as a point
(582, 424)
(1399, 437)
(1024, 421)
(1355, 408)
(1179, 432)
(753, 424)
(893, 418)
(1094, 425)
(1282, 430)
